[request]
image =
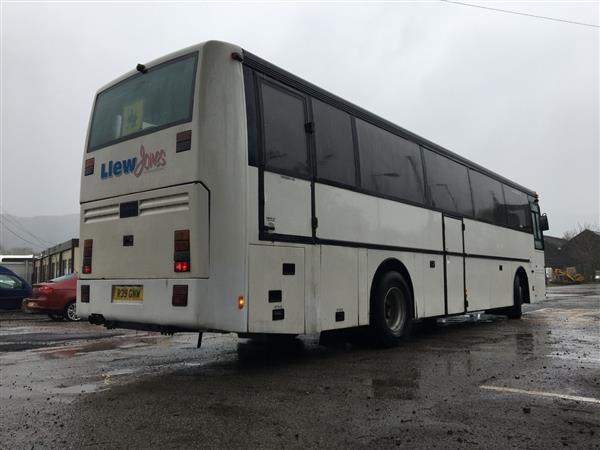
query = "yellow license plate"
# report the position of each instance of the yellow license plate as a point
(128, 293)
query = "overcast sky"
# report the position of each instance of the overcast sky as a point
(516, 94)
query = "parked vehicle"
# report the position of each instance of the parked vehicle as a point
(13, 289)
(56, 298)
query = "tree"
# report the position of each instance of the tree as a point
(570, 234)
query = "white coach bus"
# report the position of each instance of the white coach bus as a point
(220, 192)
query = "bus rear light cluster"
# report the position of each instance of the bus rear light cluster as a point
(181, 255)
(180, 295)
(87, 256)
(85, 293)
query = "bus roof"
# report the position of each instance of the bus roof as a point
(311, 89)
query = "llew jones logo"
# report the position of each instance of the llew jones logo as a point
(146, 162)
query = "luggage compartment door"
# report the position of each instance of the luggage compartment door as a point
(276, 291)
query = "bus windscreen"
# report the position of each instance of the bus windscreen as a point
(144, 103)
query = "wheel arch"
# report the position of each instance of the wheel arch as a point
(392, 264)
(521, 273)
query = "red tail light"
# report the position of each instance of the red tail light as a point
(181, 254)
(182, 267)
(85, 293)
(180, 295)
(87, 255)
(46, 290)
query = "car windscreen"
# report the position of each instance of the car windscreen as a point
(156, 98)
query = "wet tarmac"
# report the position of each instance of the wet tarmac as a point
(474, 382)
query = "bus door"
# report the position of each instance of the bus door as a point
(285, 178)
(454, 267)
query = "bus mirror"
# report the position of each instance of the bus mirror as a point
(544, 222)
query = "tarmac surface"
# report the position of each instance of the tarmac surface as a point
(468, 383)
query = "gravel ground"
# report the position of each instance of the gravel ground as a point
(467, 383)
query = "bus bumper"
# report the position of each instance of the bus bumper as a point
(154, 311)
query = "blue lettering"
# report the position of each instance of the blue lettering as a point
(117, 168)
(129, 165)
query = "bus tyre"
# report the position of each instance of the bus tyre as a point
(514, 312)
(391, 310)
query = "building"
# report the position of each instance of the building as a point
(56, 261)
(581, 252)
(22, 265)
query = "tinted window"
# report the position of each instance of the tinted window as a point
(284, 137)
(9, 282)
(537, 229)
(517, 209)
(158, 98)
(448, 183)
(334, 144)
(488, 199)
(389, 164)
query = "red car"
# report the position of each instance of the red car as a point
(55, 298)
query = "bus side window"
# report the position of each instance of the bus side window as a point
(334, 144)
(488, 199)
(389, 164)
(517, 209)
(284, 140)
(448, 184)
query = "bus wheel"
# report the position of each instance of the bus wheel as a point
(514, 312)
(391, 310)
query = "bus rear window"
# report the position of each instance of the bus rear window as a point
(144, 103)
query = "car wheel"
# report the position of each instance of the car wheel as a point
(56, 317)
(71, 312)
(391, 310)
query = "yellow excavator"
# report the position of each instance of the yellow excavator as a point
(568, 276)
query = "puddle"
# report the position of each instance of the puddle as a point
(86, 388)
(474, 317)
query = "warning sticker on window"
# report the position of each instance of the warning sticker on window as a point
(132, 117)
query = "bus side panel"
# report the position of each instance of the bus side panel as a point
(358, 218)
(348, 216)
(537, 279)
(489, 281)
(491, 240)
(339, 287)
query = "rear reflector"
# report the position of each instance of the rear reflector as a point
(85, 293)
(87, 255)
(180, 295)
(184, 141)
(89, 166)
(181, 253)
